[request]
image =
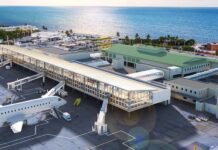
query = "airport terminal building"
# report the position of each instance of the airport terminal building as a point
(126, 93)
(148, 57)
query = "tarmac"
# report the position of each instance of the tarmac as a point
(154, 128)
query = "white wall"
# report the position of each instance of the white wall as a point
(175, 70)
(161, 96)
(198, 93)
(210, 108)
(118, 63)
(144, 67)
(213, 92)
(199, 106)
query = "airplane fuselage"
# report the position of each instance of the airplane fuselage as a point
(28, 108)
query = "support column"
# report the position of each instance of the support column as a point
(43, 80)
(167, 102)
(217, 111)
(134, 65)
(11, 64)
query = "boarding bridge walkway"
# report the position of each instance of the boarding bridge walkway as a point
(19, 83)
(55, 89)
(148, 75)
(3, 63)
(100, 126)
(202, 75)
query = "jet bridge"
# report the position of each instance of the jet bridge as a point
(148, 75)
(202, 75)
(100, 126)
(18, 84)
(57, 89)
(3, 63)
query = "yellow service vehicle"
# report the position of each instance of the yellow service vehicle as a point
(77, 102)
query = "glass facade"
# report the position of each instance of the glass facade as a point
(123, 99)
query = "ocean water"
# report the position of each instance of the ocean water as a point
(198, 23)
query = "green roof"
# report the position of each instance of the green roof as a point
(156, 54)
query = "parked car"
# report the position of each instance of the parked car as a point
(66, 116)
(198, 119)
(203, 118)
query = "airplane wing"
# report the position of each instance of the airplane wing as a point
(17, 126)
(16, 123)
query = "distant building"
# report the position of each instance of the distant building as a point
(192, 91)
(212, 46)
(209, 48)
(210, 106)
(200, 89)
(75, 41)
(102, 42)
(21, 27)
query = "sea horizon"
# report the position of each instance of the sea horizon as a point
(199, 23)
(216, 7)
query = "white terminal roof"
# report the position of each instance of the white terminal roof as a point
(94, 73)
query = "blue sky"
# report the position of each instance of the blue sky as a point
(164, 3)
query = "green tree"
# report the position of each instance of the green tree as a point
(67, 33)
(188, 48)
(190, 42)
(162, 39)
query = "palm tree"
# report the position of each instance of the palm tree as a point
(148, 37)
(176, 40)
(118, 34)
(137, 36)
(126, 41)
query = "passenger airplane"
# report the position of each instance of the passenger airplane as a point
(16, 114)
